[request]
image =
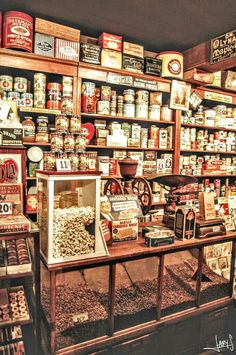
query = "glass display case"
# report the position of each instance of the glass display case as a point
(68, 216)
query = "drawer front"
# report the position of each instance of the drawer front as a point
(138, 346)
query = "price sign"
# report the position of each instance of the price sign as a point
(80, 318)
(5, 208)
(63, 165)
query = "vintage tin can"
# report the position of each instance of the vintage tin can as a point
(67, 85)
(39, 82)
(166, 113)
(126, 128)
(152, 66)
(129, 96)
(54, 95)
(143, 143)
(209, 117)
(163, 138)
(110, 41)
(172, 64)
(141, 97)
(18, 31)
(92, 160)
(27, 99)
(129, 110)
(42, 137)
(155, 98)
(88, 104)
(144, 133)
(49, 161)
(66, 104)
(6, 82)
(54, 86)
(69, 142)
(83, 162)
(20, 84)
(39, 99)
(42, 124)
(88, 88)
(135, 65)
(141, 111)
(154, 131)
(135, 131)
(105, 93)
(154, 112)
(44, 44)
(103, 165)
(80, 142)
(103, 107)
(152, 143)
(90, 53)
(120, 105)
(13, 95)
(74, 161)
(67, 49)
(74, 124)
(56, 142)
(53, 105)
(61, 123)
(113, 165)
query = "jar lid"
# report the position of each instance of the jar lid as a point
(35, 154)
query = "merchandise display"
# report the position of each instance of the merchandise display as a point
(117, 188)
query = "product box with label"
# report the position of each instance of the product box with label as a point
(132, 64)
(11, 199)
(206, 205)
(90, 53)
(14, 224)
(185, 223)
(31, 203)
(116, 141)
(44, 44)
(111, 59)
(56, 30)
(133, 49)
(109, 41)
(11, 136)
(126, 229)
(152, 66)
(67, 49)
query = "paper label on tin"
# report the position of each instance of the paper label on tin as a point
(218, 97)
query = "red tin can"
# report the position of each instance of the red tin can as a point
(113, 164)
(18, 31)
(53, 105)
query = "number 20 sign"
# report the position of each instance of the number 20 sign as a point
(63, 165)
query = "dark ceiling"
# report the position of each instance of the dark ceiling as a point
(156, 24)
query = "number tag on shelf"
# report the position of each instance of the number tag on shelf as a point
(63, 165)
(5, 208)
(80, 318)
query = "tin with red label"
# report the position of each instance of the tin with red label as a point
(27, 99)
(88, 104)
(113, 164)
(56, 142)
(172, 64)
(39, 82)
(18, 31)
(53, 105)
(110, 41)
(20, 84)
(6, 82)
(69, 142)
(14, 96)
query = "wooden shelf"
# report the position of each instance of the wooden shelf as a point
(40, 110)
(42, 144)
(30, 61)
(16, 276)
(129, 148)
(18, 322)
(215, 128)
(205, 151)
(95, 115)
(97, 72)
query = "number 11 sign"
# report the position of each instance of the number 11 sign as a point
(63, 165)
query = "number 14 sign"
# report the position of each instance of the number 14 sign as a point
(63, 165)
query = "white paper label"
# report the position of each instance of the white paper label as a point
(5, 208)
(63, 165)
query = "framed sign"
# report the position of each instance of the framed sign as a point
(180, 95)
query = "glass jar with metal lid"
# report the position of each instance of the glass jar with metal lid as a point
(61, 123)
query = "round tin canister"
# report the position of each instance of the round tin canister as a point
(66, 104)
(49, 161)
(74, 124)
(141, 110)
(105, 93)
(113, 164)
(74, 161)
(83, 162)
(67, 85)
(56, 142)
(20, 84)
(172, 64)
(39, 99)
(80, 143)
(12, 95)
(54, 86)
(61, 123)
(129, 110)
(53, 105)
(103, 164)
(103, 107)
(154, 112)
(27, 99)
(54, 95)
(88, 88)
(141, 97)
(166, 113)
(88, 104)
(42, 124)
(128, 96)
(6, 82)
(18, 31)
(209, 116)
(69, 142)
(39, 82)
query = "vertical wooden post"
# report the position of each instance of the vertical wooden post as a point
(160, 285)
(199, 276)
(53, 310)
(111, 298)
(176, 143)
(37, 293)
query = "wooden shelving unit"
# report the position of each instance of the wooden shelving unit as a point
(129, 148)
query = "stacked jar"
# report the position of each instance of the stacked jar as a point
(54, 96)
(88, 97)
(67, 92)
(141, 104)
(129, 106)
(39, 90)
